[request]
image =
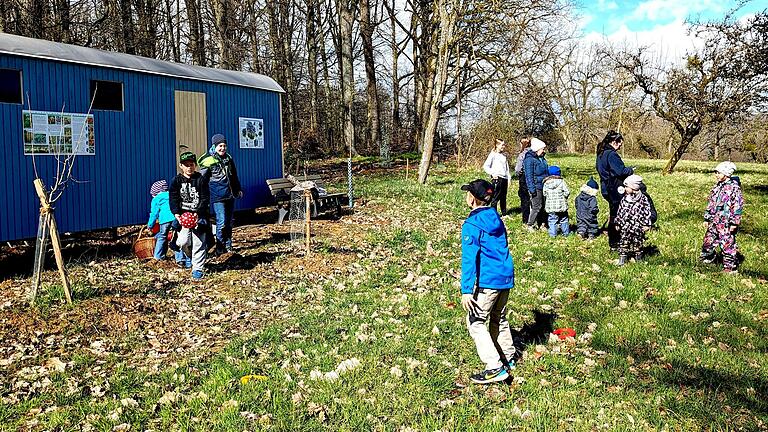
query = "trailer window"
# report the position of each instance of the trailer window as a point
(10, 86)
(107, 95)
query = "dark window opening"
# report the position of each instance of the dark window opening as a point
(10, 86)
(107, 95)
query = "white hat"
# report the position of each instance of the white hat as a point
(726, 168)
(537, 144)
(633, 181)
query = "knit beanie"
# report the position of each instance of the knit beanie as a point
(218, 139)
(592, 183)
(157, 187)
(726, 168)
(537, 144)
(554, 170)
(633, 181)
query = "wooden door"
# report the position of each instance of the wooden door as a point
(191, 126)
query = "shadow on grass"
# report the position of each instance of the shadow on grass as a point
(536, 332)
(236, 261)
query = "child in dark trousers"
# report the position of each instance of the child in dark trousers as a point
(633, 220)
(189, 194)
(723, 217)
(586, 210)
(487, 275)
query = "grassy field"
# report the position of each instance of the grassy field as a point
(371, 335)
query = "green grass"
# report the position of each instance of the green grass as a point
(673, 345)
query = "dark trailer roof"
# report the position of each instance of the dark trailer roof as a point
(43, 49)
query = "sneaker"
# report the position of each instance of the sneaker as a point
(530, 228)
(707, 259)
(510, 366)
(197, 274)
(490, 376)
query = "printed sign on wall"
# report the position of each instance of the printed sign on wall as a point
(251, 133)
(57, 133)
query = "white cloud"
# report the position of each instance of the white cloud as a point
(655, 10)
(668, 43)
(605, 5)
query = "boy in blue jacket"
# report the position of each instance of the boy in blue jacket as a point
(487, 274)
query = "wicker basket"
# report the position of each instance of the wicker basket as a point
(144, 247)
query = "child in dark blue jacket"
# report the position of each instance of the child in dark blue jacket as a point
(487, 274)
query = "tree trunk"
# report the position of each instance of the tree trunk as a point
(36, 19)
(440, 63)
(222, 10)
(346, 18)
(395, 77)
(330, 118)
(685, 142)
(175, 48)
(366, 33)
(196, 32)
(286, 34)
(312, 64)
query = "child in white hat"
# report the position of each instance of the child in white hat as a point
(723, 217)
(633, 220)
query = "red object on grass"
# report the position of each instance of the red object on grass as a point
(565, 332)
(189, 220)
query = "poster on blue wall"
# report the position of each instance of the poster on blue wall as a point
(58, 133)
(251, 133)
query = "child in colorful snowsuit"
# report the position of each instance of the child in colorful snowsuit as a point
(160, 212)
(723, 216)
(633, 220)
(586, 210)
(487, 275)
(556, 195)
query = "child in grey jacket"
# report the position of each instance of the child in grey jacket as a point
(586, 210)
(556, 195)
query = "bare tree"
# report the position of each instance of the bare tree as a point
(366, 32)
(346, 11)
(712, 87)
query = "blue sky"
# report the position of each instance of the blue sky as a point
(607, 16)
(659, 24)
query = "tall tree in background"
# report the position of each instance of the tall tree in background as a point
(346, 11)
(366, 33)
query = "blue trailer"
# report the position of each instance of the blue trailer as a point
(143, 114)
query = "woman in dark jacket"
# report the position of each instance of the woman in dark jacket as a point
(536, 169)
(612, 173)
(224, 186)
(522, 188)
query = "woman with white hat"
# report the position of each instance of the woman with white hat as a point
(536, 170)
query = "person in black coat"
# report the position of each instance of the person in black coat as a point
(612, 173)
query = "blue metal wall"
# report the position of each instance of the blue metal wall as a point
(134, 147)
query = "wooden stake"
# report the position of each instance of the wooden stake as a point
(45, 208)
(307, 198)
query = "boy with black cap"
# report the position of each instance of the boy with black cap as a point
(487, 274)
(189, 194)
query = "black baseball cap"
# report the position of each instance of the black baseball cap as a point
(480, 189)
(187, 156)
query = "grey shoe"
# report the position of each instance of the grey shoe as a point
(621, 261)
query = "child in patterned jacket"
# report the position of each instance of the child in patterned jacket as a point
(556, 195)
(723, 217)
(633, 220)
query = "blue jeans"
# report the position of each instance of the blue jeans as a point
(223, 211)
(559, 219)
(161, 241)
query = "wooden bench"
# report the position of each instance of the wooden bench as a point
(280, 188)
